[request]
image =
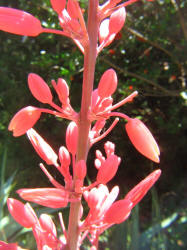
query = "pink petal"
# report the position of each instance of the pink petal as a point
(72, 137)
(117, 20)
(19, 22)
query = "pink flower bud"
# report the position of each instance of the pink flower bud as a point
(58, 5)
(108, 169)
(42, 147)
(104, 36)
(47, 224)
(118, 212)
(72, 8)
(62, 90)
(23, 120)
(117, 20)
(19, 22)
(9, 246)
(39, 88)
(64, 156)
(142, 139)
(80, 170)
(48, 197)
(140, 190)
(71, 137)
(109, 148)
(23, 214)
(107, 84)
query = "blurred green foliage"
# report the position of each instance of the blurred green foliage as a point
(149, 55)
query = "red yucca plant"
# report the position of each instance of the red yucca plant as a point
(86, 127)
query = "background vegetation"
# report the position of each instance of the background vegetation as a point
(149, 55)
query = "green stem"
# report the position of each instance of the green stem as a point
(90, 54)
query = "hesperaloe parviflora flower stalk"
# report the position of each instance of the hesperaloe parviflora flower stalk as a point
(85, 128)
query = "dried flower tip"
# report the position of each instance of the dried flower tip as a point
(58, 5)
(39, 88)
(107, 84)
(23, 214)
(142, 139)
(43, 149)
(108, 169)
(71, 137)
(23, 120)
(19, 22)
(140, 190)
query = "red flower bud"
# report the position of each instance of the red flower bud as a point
(117, 20)
(19, 22)
(23, 214)
(23, 120)
(58, 5)
(43, 149)
(71, 137)
(107, 84)
(118, 212)
(39, 88)
(80, 170)
(142, 139)
(140, 190)
(48, 197)
(108, 169)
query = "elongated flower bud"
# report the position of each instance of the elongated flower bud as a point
(142, 139)
(117, 20)
(62, 90)
(49, 197)
(72, 8)
(23, 214)
(43, 149)
(64, 156)
(23, 120)
(107, 84)
(39, 88)
(58, 5)
(19, 22)
(140, 190)
(108, 169)
(71, 137)
(118, 212)
(47, 224)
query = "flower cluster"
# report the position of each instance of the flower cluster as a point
(104, 210)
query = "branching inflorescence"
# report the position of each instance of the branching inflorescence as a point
(85, 129)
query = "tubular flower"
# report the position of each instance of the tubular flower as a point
(17, 22)
(23, 120)
(142, 139)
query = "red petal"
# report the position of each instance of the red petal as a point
(19, 22)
